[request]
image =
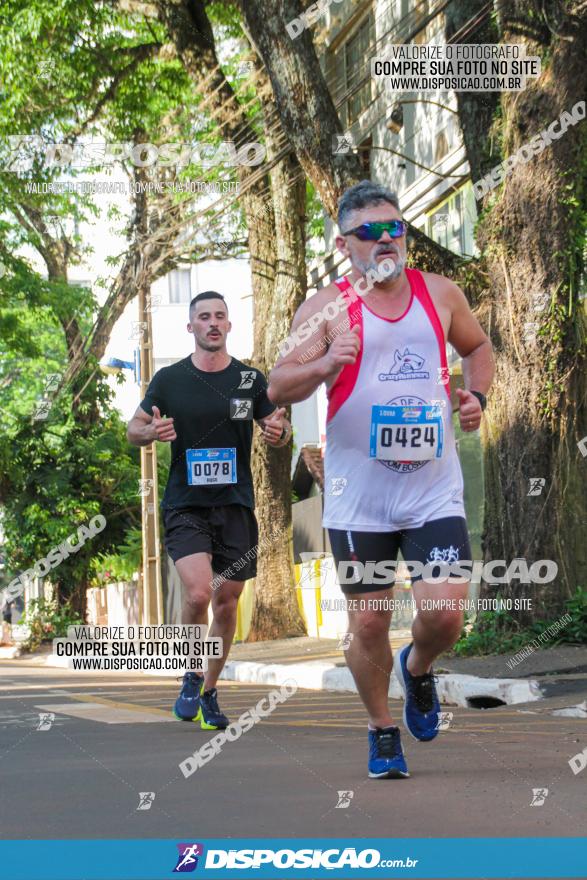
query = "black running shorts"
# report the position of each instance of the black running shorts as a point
(228, 533)
(441, 540)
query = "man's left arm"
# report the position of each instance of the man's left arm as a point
(470, 341)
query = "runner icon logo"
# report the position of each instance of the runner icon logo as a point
(338, 485)
(188, 857)
(537, 484)
(46, 719)
(342, 143)
(344, 799)
(311, 575)
(42, 410)
(247, 379)
(443, 377)
(539, 795)
(344, 643)
(444, 720)
(139, 330)
(241, 409)
(145, 487)
(146, 799)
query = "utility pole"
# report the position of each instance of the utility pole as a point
(151, 596)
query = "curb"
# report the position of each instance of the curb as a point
(314, 675)
(453, 689)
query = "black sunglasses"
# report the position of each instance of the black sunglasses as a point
(374, 230)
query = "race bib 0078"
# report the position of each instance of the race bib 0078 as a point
(211, 467)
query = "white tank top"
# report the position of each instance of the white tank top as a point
(401, 362)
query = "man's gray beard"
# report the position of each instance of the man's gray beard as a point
(374, 266)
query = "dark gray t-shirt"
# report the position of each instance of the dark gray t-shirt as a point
(213, 418)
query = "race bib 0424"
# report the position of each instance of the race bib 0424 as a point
(406, 433)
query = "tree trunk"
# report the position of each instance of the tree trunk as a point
(77, 600)
(278, 282)
(476, 110)
(532, 233)
(276, 613)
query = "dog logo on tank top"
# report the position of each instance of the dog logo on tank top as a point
(406, 365)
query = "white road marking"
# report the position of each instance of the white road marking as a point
(107, 714)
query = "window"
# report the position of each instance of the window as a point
(436, 25)
(451, 224)
(180, 287)
(349, 73)
(365, 156)
(356, 52)
(420, 15)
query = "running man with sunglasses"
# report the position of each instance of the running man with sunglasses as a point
(393, 481)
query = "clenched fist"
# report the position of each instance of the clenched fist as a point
(344, 349)
(163, 429)
(470, 411)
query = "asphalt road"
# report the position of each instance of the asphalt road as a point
(113, 737)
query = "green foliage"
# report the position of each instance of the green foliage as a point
(121, 565)
(47, 620)
(488, 636)
(72, 69)
(576, 606)
(563, 331)
(492, 632)
(59, 480)
(58, 473)
(314, 223)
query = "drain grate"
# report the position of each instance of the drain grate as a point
(484, 702)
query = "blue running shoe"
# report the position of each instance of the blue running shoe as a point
(421, 706)
(187, 704)
(209, 715)
(386, 759)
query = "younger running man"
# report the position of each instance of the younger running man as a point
(204, 405)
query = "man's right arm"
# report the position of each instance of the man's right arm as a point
(312, 359)
(143, 429)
